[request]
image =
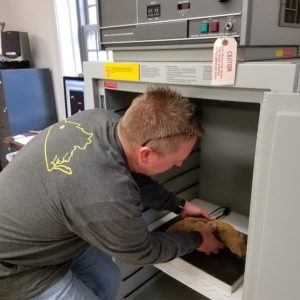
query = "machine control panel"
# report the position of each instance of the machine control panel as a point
(251, 22)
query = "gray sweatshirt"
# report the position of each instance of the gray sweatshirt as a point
(71, 187)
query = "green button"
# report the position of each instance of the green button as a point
(203, 27)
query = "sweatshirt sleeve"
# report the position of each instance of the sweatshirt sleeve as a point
(154, 195)
(129, 240)
(114, 223)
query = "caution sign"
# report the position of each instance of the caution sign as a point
(122, 71)
(224, 61)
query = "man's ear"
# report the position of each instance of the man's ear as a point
(144, 153)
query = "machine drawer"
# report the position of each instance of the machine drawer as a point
(130, 284)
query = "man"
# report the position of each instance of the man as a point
(73, 198)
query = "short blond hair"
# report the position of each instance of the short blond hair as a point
(160, 118)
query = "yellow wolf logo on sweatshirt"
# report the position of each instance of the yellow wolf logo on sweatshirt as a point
(59, 159)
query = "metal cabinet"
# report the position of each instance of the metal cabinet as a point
(249, 159)
(26, 102)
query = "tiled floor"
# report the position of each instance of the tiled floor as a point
(167, 288)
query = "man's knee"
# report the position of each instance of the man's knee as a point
(113, 283)
(98, 271)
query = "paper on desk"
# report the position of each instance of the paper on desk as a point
(11, 155)
(23, 139)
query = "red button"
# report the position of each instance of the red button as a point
(214, 27)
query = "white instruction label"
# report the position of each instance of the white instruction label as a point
(177, 73)
(224, 61)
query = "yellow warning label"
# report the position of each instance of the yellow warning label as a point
(286, 52)
(279, 52)
(122, 71)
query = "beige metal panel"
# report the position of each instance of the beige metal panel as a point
(251, 80)
(272, 266)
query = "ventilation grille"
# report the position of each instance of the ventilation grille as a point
(290, 13)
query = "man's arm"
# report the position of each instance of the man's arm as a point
(156, 196)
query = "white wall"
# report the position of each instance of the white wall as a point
(37, 17)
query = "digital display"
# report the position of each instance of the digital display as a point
(153, 11)
(182, 6)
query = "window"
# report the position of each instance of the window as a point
(79, 34)
(91, 9)
(90, 32)
(290, 13)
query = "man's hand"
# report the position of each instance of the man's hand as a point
(210, 244)
(192, 210)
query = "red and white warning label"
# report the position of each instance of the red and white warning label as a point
(224, 61)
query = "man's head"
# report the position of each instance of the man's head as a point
(160, 122)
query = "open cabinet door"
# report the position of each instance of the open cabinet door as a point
(273, 257)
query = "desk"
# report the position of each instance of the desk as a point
(18, 141)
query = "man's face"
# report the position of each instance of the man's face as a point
(159, 164)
